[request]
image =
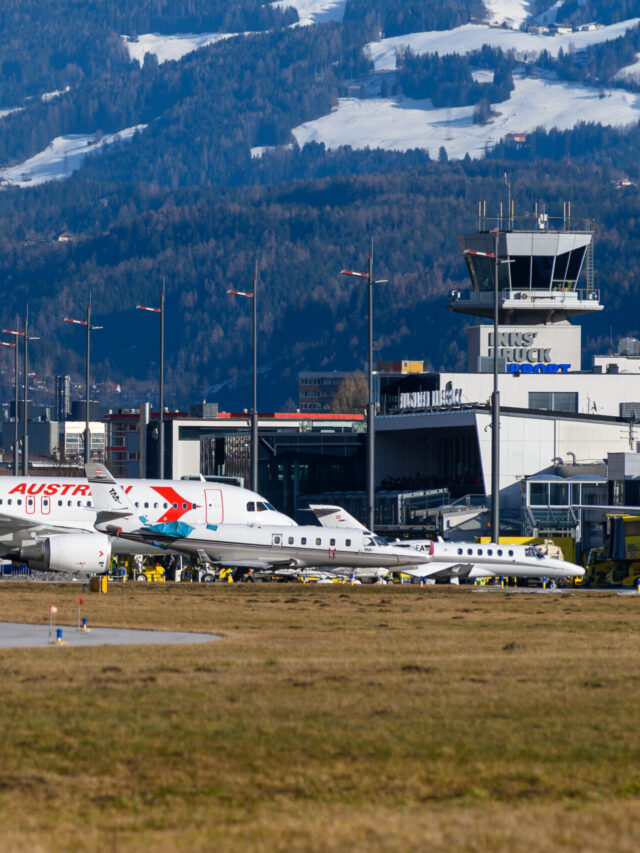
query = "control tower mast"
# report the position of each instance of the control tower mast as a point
(545, 276)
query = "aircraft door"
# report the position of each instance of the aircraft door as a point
(215, 509)
(276, 539)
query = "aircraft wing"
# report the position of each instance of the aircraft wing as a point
(438, 570)
(13, 523)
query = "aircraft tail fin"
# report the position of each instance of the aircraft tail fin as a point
(335, 516)
(115, 511)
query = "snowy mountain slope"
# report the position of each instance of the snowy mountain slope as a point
(401, 124)
(63, 156)
(471, 37)
(509, 12)
(314, 11)
(171, 47)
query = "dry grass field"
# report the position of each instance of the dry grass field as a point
(327, 719)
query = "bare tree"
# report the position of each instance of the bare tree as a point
(352, 394)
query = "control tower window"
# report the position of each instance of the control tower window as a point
(541, 272)
(520, 273)
(482, 272)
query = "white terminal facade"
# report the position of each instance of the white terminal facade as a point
(436, 427)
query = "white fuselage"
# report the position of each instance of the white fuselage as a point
(471, 560)
(64, 505)
(262, 545)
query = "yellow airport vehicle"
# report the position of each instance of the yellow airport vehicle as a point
(152, 574)
(617, 561)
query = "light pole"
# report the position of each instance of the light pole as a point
(25, 431)
(89, 329)
(254, 408)
(495, 397)
(159, 311)
(370, 403)
(16, 404)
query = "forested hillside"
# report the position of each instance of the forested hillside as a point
(217, 179)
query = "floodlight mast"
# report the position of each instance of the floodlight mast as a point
(160, 311)
(254, 408)
(87, 385)
(495, 397)
(370, 401)
(16, 418)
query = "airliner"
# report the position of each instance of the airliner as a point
(242, 546)
(456, 560)
(48, 522)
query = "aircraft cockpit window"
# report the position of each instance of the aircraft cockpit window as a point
(369, 542)
(270, 506)
(261, 507)
(251, 507)
(532, 551)
(380, 541)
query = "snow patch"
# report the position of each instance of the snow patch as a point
(629, 72)
(51, 96)
(472, 37)
(62, 157)
(400, 124)
(509, 12)
(314, 11)
(9, 111)
(483, 75)
(172, 47)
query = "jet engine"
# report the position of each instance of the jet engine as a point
(69, 552)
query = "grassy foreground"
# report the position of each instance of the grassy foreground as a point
(327, 719)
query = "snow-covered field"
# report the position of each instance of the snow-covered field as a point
(172, 47)
(509, 12)
(315, 11)
(62, 157)
(400, 124)
(630, 72)
(472, 37)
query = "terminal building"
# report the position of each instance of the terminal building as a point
(561, 421)
(437, 425)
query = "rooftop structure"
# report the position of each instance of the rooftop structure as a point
(545, 269)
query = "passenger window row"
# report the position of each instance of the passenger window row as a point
(479, 552)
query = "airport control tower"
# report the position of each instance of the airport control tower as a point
(545, 275)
